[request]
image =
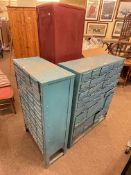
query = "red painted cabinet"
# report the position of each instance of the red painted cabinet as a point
(60, 28)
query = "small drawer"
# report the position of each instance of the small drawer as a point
(40, 134)
(85, 86)
(91, 103)
(96, 88)
(88, 123)
(83, 94)
(110, 74)
(106, 69)
(37, 108)
(39, 116)
(78, 131)
(33, 115)
(97, 95)
(108, 100)
(38, 124)
(80, 118)
(99, 116)
(97, 80)
(80, 105)
(118, 64)
(37, 97)
(91, 111)
(78, 111)
(86, 76)
(111, 91)
(101, 103)
(85, 99)
(96, 72)
(95, 108)
(33, 124)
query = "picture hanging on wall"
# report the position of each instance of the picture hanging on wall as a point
(107, 10)
(85, 26)
(124, 8)
(92, 9)
(117, 29)
(96, 29)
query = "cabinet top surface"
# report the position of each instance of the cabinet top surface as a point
(42, 70)
(90, 63)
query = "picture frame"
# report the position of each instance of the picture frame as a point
(96, 29)
(124, 8)
(117, 29)
(92, 10)
(85, 26)
(107, 10)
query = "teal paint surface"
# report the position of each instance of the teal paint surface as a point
(95, 82)
(46, 92)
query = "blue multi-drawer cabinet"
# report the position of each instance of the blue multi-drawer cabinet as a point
(46, 97)
(95, 82)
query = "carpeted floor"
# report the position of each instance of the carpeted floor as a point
(100, 152)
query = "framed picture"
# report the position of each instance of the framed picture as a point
(117, 29)
(107, 10)
(85, 26)
(92, 9)
(96, 29)
(124, 8)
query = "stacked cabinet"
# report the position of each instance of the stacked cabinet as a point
(23, 25)
(60, 29)
(46, 97)
(95, 82)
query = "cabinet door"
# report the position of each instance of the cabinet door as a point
(16, 19)
(31, 32)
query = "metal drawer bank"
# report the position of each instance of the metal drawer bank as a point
(95, 82)
(46, 92)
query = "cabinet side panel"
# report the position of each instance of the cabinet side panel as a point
(56, 100)
(45, 23)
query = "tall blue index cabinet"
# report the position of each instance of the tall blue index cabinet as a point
(95, 82)
(46, 97)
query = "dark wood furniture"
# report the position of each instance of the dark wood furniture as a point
(124, 35)
(123, 49)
